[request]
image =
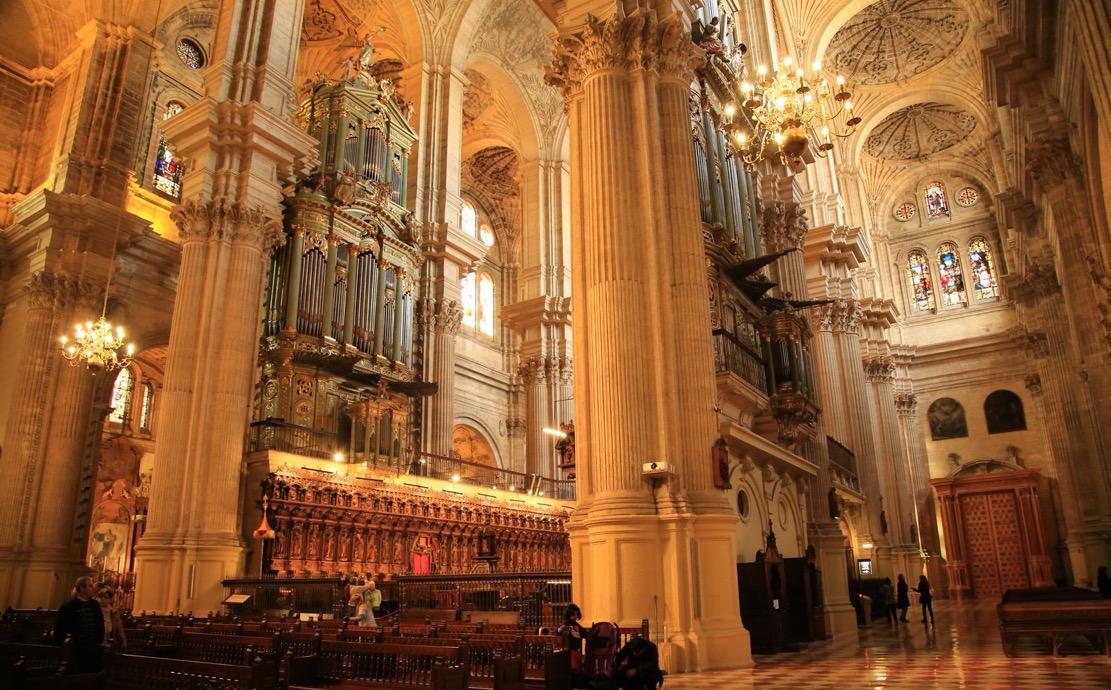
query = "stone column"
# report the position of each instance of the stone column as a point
(441, 322)
(634, 204)
(55, 559)
(229, 222)
(37, 467)
(1058, 172)
(921, 514)
(533, 375)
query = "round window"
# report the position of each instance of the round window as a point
(904, 212)
(968, 197)
(190, 53)
(742, 503)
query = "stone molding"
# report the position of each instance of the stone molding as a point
(641, 41)
(202, 220)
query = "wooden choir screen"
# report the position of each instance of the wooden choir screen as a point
(348, 524)
(994, 533)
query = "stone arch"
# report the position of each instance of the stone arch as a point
(472, 442)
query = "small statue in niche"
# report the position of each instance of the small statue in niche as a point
(719, 465)
(883, 521)
(834, 508)
(770, 543)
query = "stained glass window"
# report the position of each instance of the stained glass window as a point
(190, 53)
(467, 298)
(904, 212)
(950, 279)
(979, 263)
(921, 287)
(468, 219)
(968, 197)
(121, 395)
(937, 203)
(167, 167)
(148, 405)
(486, 304)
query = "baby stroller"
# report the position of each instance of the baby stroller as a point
(599, 651)
(637, 666)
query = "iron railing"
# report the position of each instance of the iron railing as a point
(540, 598)
(730, 354)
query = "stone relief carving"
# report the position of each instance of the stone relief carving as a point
(894, 40)
(1051, 162)
(919, 130)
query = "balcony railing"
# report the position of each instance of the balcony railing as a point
(730, 354)
(274, 434)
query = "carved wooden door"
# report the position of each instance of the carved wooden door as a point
(996, 555)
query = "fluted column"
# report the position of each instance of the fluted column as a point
(635, 204)
(921, 514)
(534, 378)
(891, 464)
(442, 324)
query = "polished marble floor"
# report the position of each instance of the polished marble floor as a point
(961, 650)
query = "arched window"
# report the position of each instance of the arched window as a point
(937, 202)
(121, 395)
(148, 406)
(476, 293)
(947, 419)
(979, 262)
(1003, 412)
(167, 167)
(467, 299)
(486, 304)
(921, 288)
(950, 279)
(468, 219)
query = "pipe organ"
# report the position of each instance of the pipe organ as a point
(338, 357)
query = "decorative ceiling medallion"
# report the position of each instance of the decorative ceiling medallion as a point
(893, 40)
(905, 211)
(919, 130)
(967, 197)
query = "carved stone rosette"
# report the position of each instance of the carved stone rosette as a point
(200, 220)
(640, 41)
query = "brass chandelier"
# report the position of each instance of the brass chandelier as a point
(785, 112)
(98, 345)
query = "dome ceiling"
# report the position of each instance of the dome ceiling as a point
(893, 40)
(919, 130)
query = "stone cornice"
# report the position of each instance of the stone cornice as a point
(544, 310)
(837, 244)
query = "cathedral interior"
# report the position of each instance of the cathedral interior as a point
(654, 292)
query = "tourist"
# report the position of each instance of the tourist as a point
(902, 601)
(575, 632)
(886, 599)
(81, 620)
(350, 610)
(1103, 582)
(113, 621)
(373, 597)
(364, 617)
(925, 597)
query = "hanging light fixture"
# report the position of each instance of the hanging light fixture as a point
(98, 345)
(786, 111)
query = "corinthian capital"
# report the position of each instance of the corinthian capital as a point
(201, 220)
(1052, 162)
(47, 290)
(905, 404)
(449, 318)
(641, 41)
(879, 369)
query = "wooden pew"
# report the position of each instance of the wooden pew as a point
(298, 654)
(1052, 615)
(19, 661)
(389, 665)
(134, 672)
(227, 649)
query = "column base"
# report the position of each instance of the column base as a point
(677, 570)
(829, 546)
(184, 578)
(38, 579)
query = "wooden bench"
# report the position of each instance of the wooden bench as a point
(227, 649)
(389, 665)
(429, 615)
(1054, 614)
(19, 661)
(135, 672)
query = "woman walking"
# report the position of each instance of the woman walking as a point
(925, 597)
(902, 600)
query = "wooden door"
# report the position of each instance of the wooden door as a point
(996, 557)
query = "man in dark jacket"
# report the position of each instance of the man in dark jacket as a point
(81, 619)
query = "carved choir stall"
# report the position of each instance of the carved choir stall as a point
(337, 524)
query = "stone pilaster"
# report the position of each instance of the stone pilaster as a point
(627, 80)
(441, 323)
(921, 515)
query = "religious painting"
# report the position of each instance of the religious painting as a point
(1004, 412)
(947, 419)
(107, 546)
(921, 289)
(937, 202)
(950, 278)
(979, 262)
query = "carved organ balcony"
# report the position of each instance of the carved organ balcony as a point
(790, 371)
